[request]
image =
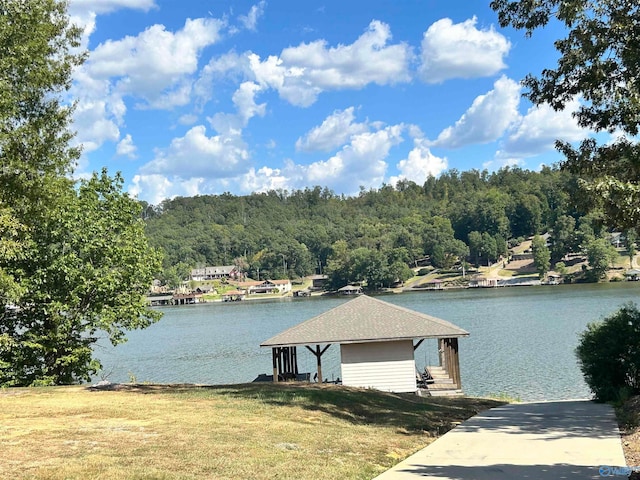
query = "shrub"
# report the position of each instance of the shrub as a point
(609, 354)
(424, 271)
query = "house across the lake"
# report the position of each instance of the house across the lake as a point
(318, 282)
(632, 274)
(265, 286)
(215, 273)
(376, 341)
(350, 290)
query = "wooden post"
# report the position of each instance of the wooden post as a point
(441, 352)
(318, 353)
(285, 360)
(274, 357)
(455, 362)
(447, 355)
(319, 363)
(294, 360)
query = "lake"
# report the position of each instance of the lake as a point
(521, 344)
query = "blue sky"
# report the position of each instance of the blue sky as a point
(196, 97)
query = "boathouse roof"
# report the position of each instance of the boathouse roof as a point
(365, 319)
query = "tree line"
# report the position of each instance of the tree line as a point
(377, 235)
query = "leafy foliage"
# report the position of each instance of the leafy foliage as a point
(74, 259)
(601, 255)
(609, 354)
(599, 64)
(541, 255)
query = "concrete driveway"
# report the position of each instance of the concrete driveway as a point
(543, 440)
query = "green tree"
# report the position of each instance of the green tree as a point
(631, 237)
(11, 244)
(483, 245)
(398, 272)
(541, 256)
(561, 268)
(73, 258)
(599, 62)
(563, 237)
(339, 267)
(369, 266)
(609, 355)
(84, 276)
(600, 254)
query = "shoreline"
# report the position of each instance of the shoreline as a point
(392, 291)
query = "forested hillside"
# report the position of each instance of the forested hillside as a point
(377, 234)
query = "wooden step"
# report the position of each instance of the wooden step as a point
(440, 386)
(446, 393)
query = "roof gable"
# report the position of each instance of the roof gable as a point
(365, 319)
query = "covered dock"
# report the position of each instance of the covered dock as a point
(376, 341)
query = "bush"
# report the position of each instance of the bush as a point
(609, 354)
(424, 271)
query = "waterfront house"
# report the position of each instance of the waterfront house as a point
(350, 290)
(318, 281)
(434, 284)
(186, 298)
(484, 282)
(215, 273)
(205, 289)
(376, 341)
(632, 274)
(233, 296)
(265, 286)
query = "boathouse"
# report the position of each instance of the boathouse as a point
(376, 341)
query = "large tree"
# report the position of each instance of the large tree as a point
(599, 64)
(541, 256)
(74, 261)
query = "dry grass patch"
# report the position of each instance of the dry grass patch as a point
(242, 431)
(628, 414)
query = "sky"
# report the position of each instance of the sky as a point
(197, 97)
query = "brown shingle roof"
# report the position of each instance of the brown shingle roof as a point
(365, 319)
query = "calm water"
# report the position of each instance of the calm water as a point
(521, 343)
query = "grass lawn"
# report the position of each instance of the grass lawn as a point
(222, 432)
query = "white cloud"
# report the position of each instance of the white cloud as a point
(126, 147)
(537, 131)
(94, 124)
(498, 163)
(419, 164)
(187, 119)
(487, 118)
(198, 155)
(263, 180)
(156, 64)
(106, 6)
(301, 73)
(335, 131)
(361, 162)
(246, 108)
(244, 100)
(229, 64)
(250, 20)
(461, 51)
(83, 12)
(154, 68)
(153, 188)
